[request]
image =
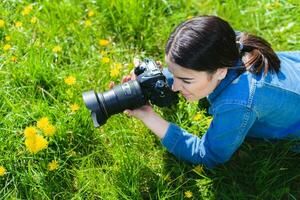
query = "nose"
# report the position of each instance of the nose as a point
(176, 86)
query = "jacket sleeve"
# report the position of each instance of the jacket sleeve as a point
(225, 134)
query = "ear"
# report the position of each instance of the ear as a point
(221, 73)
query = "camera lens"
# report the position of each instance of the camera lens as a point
(102, 105)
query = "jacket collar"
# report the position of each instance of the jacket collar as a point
(232, 74)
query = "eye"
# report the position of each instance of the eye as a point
(187, 82)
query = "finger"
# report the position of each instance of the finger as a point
(136, 62)
(111, 84)
(131, 72)
(159, 63)
(123, 79)
(128, 112)
(128, 78)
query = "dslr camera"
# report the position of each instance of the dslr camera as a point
(150, 85)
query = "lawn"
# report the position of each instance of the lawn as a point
(52, 51)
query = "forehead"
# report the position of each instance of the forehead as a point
(178, 70)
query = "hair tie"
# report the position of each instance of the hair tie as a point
(243, 48)
(240, 46)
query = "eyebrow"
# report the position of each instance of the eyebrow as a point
(181, 78)
(184, 78)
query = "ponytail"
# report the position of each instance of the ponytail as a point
(261, 55)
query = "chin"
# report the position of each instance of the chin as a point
(190, 98)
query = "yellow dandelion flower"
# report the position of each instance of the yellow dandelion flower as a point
(53, 165)
(34, 20)
(26, 10)
(190, 17)
(188, 194)
(198, 169)
(70, 80)
(105, 60)
(91, 13)
(74, 107)
(57, 49)
(36, 143)
(7, 47)
(42, 122)
(49, 130)
(7, 38)
(118, 66)
(103, 42)
(87, 23)
(18, 24)
(30, 131)
(13, 59)
(114, 72)
(197, 117)
(2, 23)
(2, 170)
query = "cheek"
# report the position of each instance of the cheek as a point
(200, 89)
(197, 87)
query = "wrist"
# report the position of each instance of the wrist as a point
(148, 116)
(156, 124)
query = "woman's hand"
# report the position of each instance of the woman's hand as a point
(143, 111)
(146, 113)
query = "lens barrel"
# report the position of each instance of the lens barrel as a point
(102, 105)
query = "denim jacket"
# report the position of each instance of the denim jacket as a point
(246, 105)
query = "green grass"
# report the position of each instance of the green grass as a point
(122, 159)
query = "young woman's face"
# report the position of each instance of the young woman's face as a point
(194, 85)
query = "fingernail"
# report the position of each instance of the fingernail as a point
(127, 113)
(136, 62)
(111, 84)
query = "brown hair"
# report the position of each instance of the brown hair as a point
(260, 54)
(206, 43)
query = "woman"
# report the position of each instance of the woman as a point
(252, 91)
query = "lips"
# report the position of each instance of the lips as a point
(186, 95)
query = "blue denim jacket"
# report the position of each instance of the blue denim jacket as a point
(248, 105)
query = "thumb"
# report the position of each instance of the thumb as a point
(136, 62)
(159, 63)
(128, 112)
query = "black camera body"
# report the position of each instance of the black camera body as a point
(150, 85)
(154, 84)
